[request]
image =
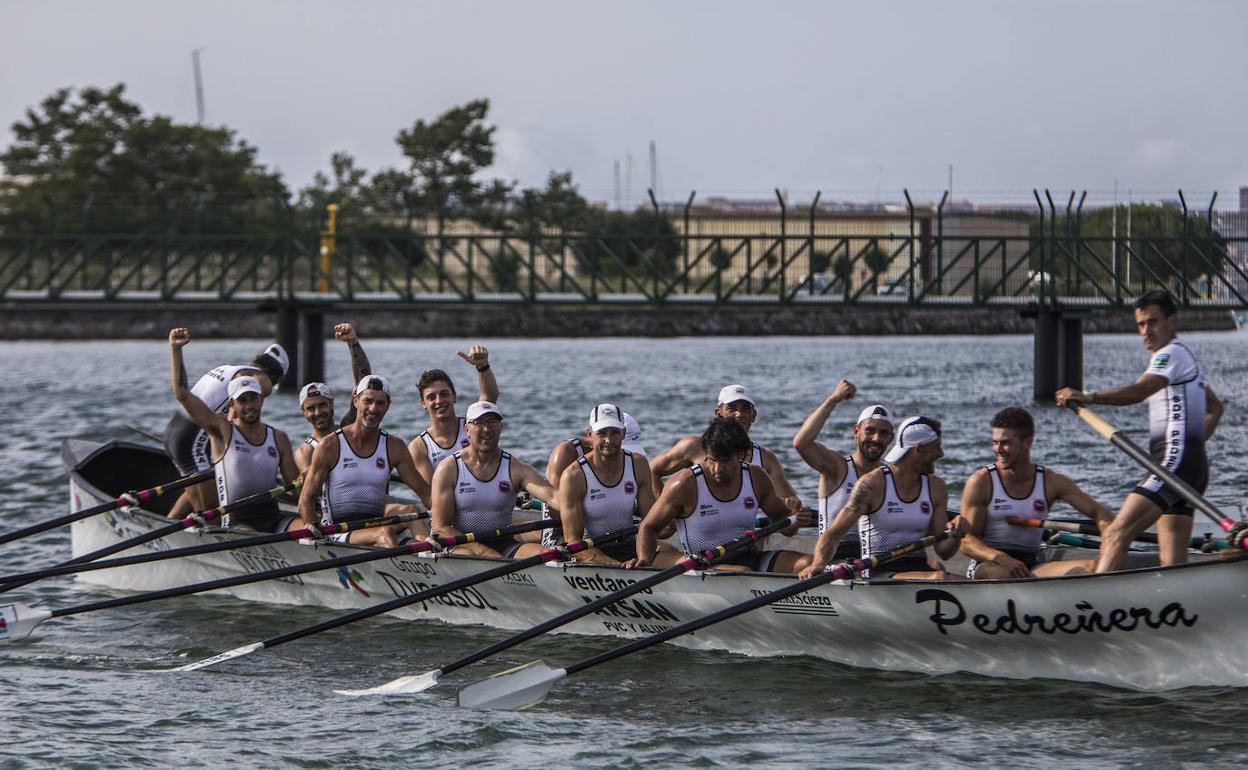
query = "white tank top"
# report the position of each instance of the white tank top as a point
(246, 468)
(832, 504)
(437, 453)
(756, 457)
(214, 387)
(714, 521)
(356, 487)
(999, 533)
(896, 522)
(609, 508)
(483, 504)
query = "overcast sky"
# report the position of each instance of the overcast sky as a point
(740, 97)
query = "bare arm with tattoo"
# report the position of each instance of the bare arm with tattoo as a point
(866, 496)
(360, 367)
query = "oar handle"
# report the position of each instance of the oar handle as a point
(140, 496)
(837, 572)
(1132, 450)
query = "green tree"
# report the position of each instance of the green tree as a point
(91, 160)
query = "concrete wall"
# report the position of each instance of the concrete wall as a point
(153, 321)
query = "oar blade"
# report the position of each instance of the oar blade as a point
(516, 688)
(404, 685)
(18, 620)
(237, 652)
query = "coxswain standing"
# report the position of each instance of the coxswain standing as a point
(247, 455)
(350, 470)
(873, 432)
(898, 503)
(1015, 486)
(601, 491)
(447, 432)
(475, 489)
(735, 403)
(715, 501)
(1183, 413)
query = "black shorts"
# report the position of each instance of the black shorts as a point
(1193, 468)
(752, 559)
(507, 546)
(621, 550)
(848, 550)
(262, 517)
(188, 445)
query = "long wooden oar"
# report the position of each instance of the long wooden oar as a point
(1132, 450)
(193, 520)
(1086, 528)
(337, 528)
(529, 684)
(130, 498)
(408, 685)
(21, 619)
(549, 554)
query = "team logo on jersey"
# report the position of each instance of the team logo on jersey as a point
(926, 508)
(748, 503)
(272, 451)
(1038, 505)
(381, 463)
(1160, 361)
(504, 486)
(629, 488)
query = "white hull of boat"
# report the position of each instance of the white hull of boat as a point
(1146, 629)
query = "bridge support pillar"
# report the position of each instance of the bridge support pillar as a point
(313, 345)
(288, 337)
(301, 330)
(1058, 354)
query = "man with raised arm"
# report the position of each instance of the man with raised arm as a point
(188, 445)
(1016, 486)
(360, 367)
(350, 470)
(896, 504)
(735, 403)
(447, 433)
(837, 473)
(715, 501)
(600, 491)
(316, 401)
(246, 454)
(475, 489)
(1183, 413)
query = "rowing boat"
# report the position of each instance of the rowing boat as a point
(1147, 628)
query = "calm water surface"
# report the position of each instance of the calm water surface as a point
(80, 694)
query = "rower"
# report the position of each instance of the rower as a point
(247, 454)
(735, 403)
(188, 444)
(447, 433)
(837, 473)
(600, 492)
(715, 501)
(360, 367)
(1183, 413)
(350, 470)
(475, 490)
(316, 401)
(896, 504)
(1015, 486)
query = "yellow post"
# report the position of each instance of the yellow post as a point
(328, 245)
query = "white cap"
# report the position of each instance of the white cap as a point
(730, 393)
(606, 416)
(480, 409)
(240, 385)
(632, 435)
(372, 382)
(875, 412)
(313, 389)
(278, 354)
(914, 431)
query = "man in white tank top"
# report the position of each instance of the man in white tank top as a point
(475, 490)
(898, 503)
(715, 501)
(1015, 486)
(246, 453)
(837, 474)
(1183, 413)
(599, 492)
(350, 470)
(447, 433)
(316, 402)
(735, 403)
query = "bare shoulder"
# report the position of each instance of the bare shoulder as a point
(938, 486)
